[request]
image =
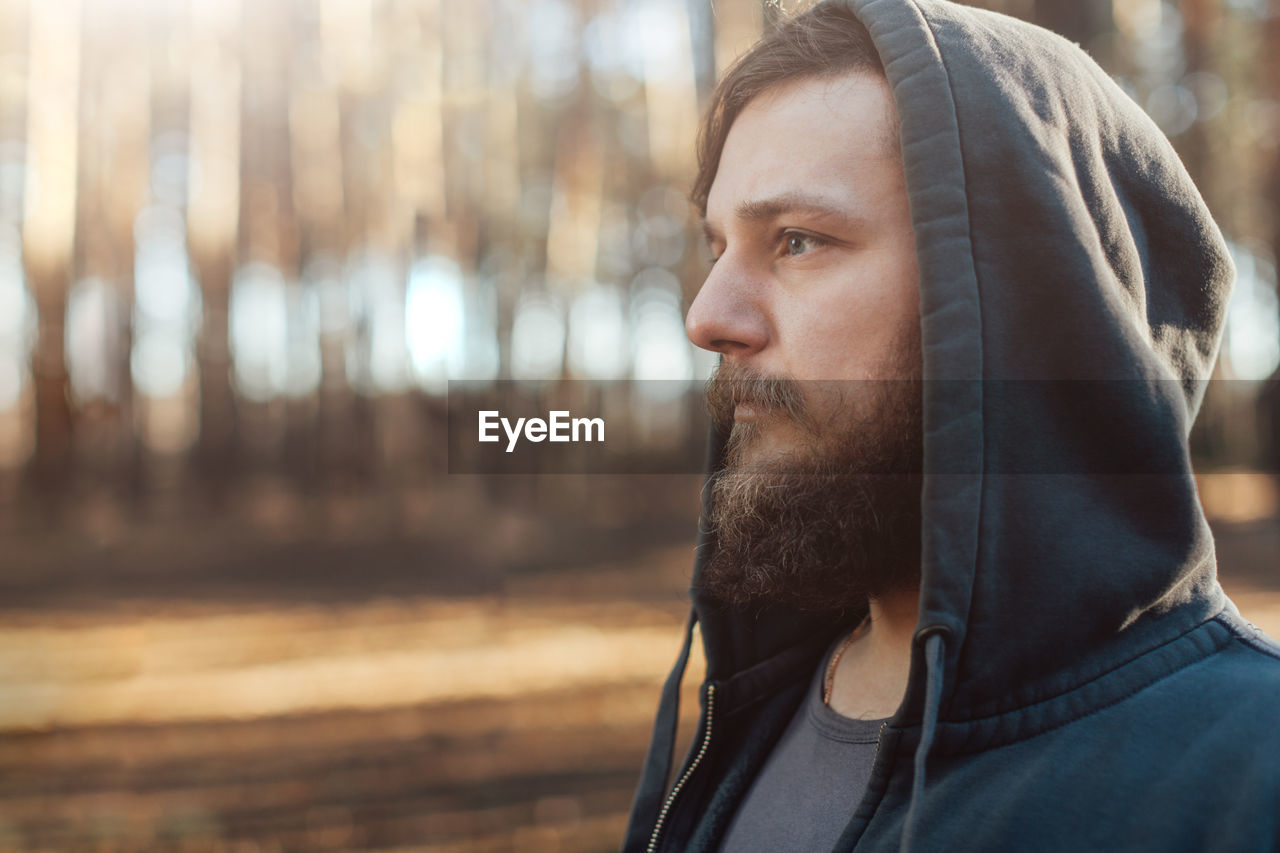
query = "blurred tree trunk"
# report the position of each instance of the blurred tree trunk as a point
(1079, 21)
(1201, 19)
(702, 37)
(1270, 50)
(215, 451)
(49, 370)
(1269, 400)
(54, 80)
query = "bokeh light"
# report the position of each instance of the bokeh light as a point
(94, 327)
(436, 322)
(167, 307)
(1252, 346)
(660, 349)
(537, 337)
(258, 323)
(599, 340)
(377, 355)
(18, 321)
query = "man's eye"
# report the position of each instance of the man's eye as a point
(799, 244)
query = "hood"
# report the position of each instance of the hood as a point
(1073, 288)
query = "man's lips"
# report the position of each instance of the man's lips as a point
(748, 412)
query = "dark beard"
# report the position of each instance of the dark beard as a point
(835, 520)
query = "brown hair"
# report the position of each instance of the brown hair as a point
(824, 41)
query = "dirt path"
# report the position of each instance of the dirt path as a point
(508, 721)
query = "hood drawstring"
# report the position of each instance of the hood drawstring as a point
(934, 648)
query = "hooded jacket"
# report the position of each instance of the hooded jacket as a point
(1078, 679)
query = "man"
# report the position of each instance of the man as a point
(955, 587)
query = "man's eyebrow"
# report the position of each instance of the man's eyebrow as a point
(765, 209)
(757, 210)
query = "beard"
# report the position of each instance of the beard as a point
(832, 520)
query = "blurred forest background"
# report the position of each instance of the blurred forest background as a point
(243, 607)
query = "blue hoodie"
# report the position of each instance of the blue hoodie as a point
(1078, 681)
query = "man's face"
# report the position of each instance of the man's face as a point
(813, 303)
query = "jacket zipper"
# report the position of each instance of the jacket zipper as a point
(693, 765)
(874, 761)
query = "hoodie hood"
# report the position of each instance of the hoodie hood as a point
(1073, 289)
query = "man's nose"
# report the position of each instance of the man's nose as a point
(727, 316)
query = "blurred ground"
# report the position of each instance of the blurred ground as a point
(352, 692)
(284, 705)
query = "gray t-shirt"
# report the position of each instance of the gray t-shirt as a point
(810, 784)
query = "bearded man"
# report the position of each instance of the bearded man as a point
(955, 587)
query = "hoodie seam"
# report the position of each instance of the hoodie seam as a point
(977, 302)
(1068, 721)
(1258, 647)
(1098, 676)
(1252, 642)
(1123, 697)
(976, 293)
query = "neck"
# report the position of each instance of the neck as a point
(870, 678)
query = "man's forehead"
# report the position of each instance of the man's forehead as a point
(806, 146)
